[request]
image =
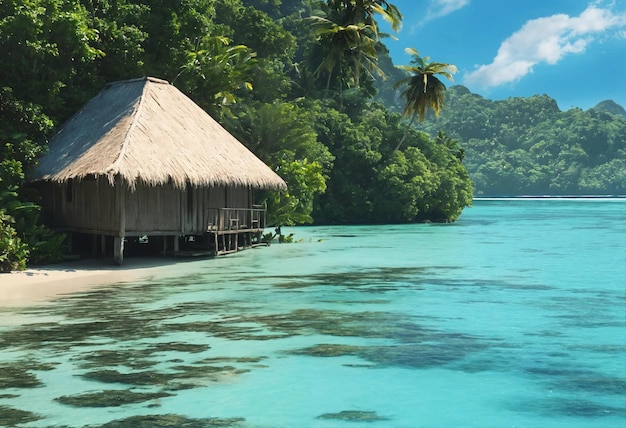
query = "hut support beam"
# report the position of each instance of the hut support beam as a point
(118, 243)
(118, 250)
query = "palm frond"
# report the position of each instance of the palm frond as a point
(423, 89)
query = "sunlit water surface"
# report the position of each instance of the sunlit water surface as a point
(512, 317)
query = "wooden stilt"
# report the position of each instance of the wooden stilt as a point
(118, 243)
(118, 250)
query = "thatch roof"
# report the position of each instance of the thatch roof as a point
(147, 130)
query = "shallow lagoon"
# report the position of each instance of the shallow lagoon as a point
(513, 316)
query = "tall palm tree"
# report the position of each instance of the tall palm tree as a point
(354, 11)
(336, 40)
(423, 89)
(364, 57)
(341, 44)
(349, 32)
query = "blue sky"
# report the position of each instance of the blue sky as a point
(571, 50)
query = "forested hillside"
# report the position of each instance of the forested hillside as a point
(528, 146)
(295, 81)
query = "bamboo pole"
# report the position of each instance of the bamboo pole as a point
(118, 244)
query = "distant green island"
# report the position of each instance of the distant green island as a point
(528, 146)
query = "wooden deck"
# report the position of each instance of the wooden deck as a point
(234, 229)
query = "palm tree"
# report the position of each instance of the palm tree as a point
(346, 43)
(336, 40)
(349, 31)
(423, 89)
(364, 58)
(355, 11)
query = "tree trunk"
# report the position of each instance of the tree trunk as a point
(406, 131)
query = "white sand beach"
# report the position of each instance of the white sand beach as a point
(40, 284)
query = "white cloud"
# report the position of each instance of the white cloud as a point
(439, 8)
(544, 40)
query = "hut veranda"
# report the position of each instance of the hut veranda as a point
(142, 161)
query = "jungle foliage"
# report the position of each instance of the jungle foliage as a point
(296, 81)
(528, 146)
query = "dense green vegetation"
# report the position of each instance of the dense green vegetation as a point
(528, 146)
(295, 81)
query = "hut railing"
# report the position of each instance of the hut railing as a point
(236, 219)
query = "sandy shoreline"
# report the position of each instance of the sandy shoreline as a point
(40, 284)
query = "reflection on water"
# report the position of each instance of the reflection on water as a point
(514, 316)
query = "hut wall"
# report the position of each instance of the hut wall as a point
(239, 197)
(50, 202)
(192, 203)
(165, 210)
(153, 210)
(86, 205)
(215, 198)
(91, 206)
(197, 204)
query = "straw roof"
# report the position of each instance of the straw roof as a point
(147, 130)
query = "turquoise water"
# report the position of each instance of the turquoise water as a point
(514, 316)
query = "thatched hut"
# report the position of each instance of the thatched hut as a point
(143, 160)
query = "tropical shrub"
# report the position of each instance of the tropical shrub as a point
(13, 252)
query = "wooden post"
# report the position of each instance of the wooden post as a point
(118, 245)
(118, 249)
